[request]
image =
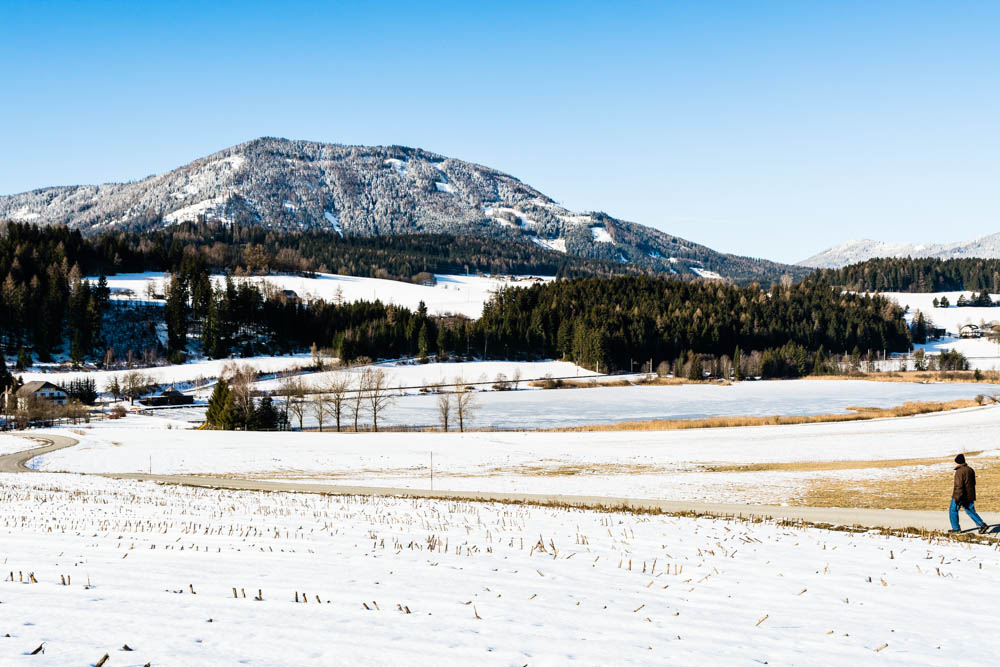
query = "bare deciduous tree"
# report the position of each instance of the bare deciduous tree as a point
(319, 405)
(465, 401)
(337, 389)
(356, 402)
(444, 408)
(135, 384)
(515, 377)
(377, 394)
(241, 380)
(295, 399)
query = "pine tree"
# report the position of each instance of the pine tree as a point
(220, 407)
(919, 328)
(423, 341)
(265, 416)
(6, 378)
(736, 365)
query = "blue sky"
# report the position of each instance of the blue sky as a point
(768, 129)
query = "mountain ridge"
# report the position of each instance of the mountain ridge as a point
(286, 184)
(860, 250)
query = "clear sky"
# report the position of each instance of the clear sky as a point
(768, 129)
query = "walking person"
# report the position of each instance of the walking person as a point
(964, 496)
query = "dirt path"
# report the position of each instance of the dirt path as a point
(893, 519)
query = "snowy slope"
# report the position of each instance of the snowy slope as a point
(861, 250)
(461, 295)
(983, 353)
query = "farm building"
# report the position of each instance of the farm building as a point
(38, 389)
(168, 396)
(970, 331)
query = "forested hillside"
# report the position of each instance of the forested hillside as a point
(600, 322)
(253, 250)
(894, 274)
(615, 321)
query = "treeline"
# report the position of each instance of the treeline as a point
(905, 274)
(43, 299)
(618, 322)
(254, 250)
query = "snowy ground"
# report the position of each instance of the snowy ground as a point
(445, 583)
(598, 405)
(951, 318)
(668, 465)
(464, 295)
(10, 444)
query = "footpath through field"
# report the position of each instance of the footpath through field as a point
(869, 518)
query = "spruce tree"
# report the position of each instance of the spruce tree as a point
(736, 365)
(423, 341)
(6, 379)
(220, 407)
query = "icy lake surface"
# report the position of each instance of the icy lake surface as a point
(569, 407)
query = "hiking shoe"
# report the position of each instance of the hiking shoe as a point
(955, 530)
(985, 528)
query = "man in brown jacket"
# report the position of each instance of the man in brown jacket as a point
(964, 495)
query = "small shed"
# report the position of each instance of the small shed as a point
(168, 396)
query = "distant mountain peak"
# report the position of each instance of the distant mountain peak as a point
(287, 184)
(852, 252)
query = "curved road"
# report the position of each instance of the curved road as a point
(892, 519)
(17, 461)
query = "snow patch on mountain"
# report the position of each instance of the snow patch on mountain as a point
(558, 245)
(207, 208)
(705, 273)
(601, 235)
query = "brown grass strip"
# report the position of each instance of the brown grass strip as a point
(965, 377)
(910, 490)
(819, 466)
(908, 409)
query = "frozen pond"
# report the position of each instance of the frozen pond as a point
(569, 407)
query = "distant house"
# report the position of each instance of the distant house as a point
(935, 333)
(168, 396)
(37, 390)
(970, 331)
(290, 296)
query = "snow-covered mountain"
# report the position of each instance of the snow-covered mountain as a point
(861, 250)
(369, 190)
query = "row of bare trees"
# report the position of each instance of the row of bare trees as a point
(339, 398)
(345, 399)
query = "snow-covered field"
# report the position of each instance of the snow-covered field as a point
(454, 294)
(665, 465)
(393, 581)
(10, 444)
